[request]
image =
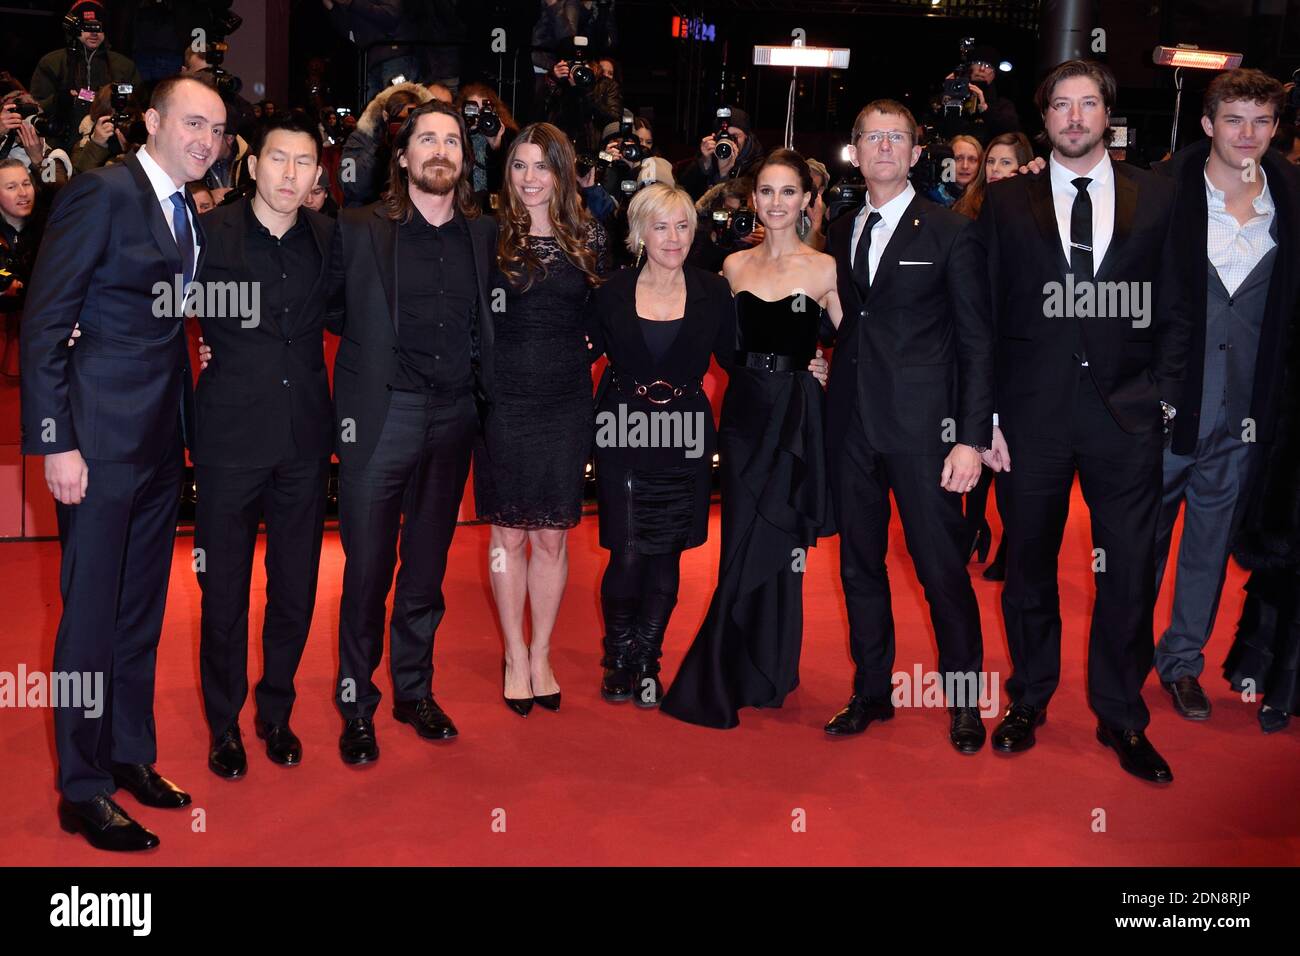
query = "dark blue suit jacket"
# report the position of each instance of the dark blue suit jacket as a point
(107, 253)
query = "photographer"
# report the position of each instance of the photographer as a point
(492, 129)
(561, 20)
(23, 128)
(111, 117)
(727, 224)
(364, 168)
(984, 114)
(395, 36)
(228, 172)
(743, 152)
(19, 238)
(580, 100)
(65, 80)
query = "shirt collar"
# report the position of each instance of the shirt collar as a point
(1063, 179)
(893, 210)
(254, 226)
(162, 184)
(1263, 203)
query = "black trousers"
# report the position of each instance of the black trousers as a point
(412, 483)
(1120, 476)
(290, 497)
(938, 540)
(116, 562)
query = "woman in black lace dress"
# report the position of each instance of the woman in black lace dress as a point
(530, 467)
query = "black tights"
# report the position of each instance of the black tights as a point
(640, 590)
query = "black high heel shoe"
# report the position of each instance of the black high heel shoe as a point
(549, 702)
(520, 705)
(979, 546)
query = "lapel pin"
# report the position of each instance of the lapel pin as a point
(916, 222)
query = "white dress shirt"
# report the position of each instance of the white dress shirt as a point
(1235, 250)
(890, 215)
(1102, 193)
(165, 189)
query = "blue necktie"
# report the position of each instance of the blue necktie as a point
(184, 241)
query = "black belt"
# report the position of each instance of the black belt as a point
(657, 392)
(770, 362)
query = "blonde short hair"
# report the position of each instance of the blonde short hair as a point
(657, 201)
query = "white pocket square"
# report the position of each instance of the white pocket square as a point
(907, 262)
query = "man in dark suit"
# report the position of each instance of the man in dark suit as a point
(408, 281)
(1091, 347)
(1236, 230)
(109, 416)
(265, 430)
(909, 409)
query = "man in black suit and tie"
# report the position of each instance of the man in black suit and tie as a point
(110, 416)
(1091, 346)
(909, 409)
(408, 279)
(265, 430)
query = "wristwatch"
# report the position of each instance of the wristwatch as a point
(979, 449)
(1168, 411)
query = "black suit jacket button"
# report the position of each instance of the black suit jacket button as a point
(864, 313)
(284, 382)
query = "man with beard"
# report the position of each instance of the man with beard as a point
(1085, 393)
(415, 357)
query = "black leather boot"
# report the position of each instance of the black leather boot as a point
(648, 634)
(619, 660)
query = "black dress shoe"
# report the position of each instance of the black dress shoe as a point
(1136, 755)
(429, 720)
(282, 744)
(1016, 731)
(858, 715)
(549, 702)
(966, 730)
(104, 824)
(357, 743)
(1189, 699)
(146, 785)
(997, 569)
(226, 758)
(1271, 720)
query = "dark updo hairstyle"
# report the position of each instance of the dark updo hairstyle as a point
(791, 160)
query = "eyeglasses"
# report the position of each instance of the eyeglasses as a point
(877, 136)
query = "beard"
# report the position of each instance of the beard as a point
(1074, 150)
(434, 176)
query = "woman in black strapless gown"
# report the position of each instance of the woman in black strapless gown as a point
(775, 500)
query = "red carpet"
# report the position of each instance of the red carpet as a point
(604, 784)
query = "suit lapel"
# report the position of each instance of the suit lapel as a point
(908, 227)
(1044, 211)
(153, 215)
(841, 238)
(383, 232)
(1125, 211)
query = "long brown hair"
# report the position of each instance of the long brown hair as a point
(397, 198)
(571, 224)
(972, 200)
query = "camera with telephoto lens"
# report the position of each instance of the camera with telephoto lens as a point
(224, 22)
(481, 119)
(628, 145)
(957, 97)
(121, 102)
(725, 146)
(582, 73)
(74, 25)
(40, 121)
(732, 225)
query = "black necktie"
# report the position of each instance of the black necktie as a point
(1081, 250)
(1081, 232)
(861, 261)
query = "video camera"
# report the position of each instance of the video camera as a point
(481, 119)
(956, 96)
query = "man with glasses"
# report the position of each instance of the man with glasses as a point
(1083, 390)
(909, 410)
